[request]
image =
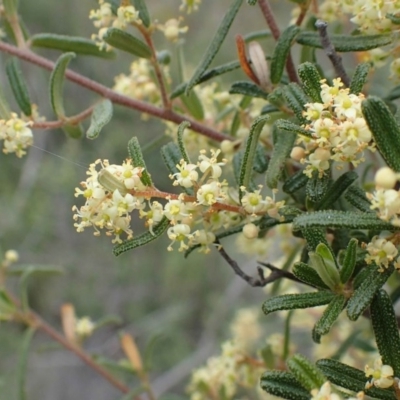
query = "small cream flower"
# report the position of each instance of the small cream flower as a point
(172, 30)
(381, 375)
(324, 393)
(84, 327)
(380, 251)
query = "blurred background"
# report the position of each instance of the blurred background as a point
(186, 304)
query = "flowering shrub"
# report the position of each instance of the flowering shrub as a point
(298, 160)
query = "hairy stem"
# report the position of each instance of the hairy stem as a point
(272, 24)
(115, 97)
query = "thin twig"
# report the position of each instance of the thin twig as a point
(58, 124)
(50, 331)
(115, 97)
(330, 51)
(303, 12)
(156, 65)
(273, 26)
(261, 281)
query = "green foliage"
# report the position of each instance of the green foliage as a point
(380, 121)
(345, 43)
(101, 116)
(18, 86)
(126, 42)
(78, 45)
(215, 44)
(281, 52)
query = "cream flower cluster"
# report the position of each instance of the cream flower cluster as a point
(235, 367)
(387, 204)
(139, 83)
(340, 132)
(172, 30)
(381, 375)
(116, 190)
(325, 393)
(16, 135)
(109, 207)
(382, 252)
(103, 18)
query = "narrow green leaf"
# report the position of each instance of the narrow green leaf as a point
(251, 2)
(261, 160)
(126, 42)
(193, 104)
(236, 121)
(305, 372)
(248, 89)
(349, 261)
(140, 5)
(297, 301)
(386, 330)
(250, 152)
(207, 75)
(280, 153)
(324, 262)
(345, 43)
(296, 98)
(341, 219)
(363, 295)
(257, 35)
(23, 362)
(142, 239)
(286, 339)
(385, 130)
(308, 275)
(330, 315)
(281, 52)
(18, 86)
(357, 198)
(360, 77)
(317, 187)
(296, 182)
(215, 44)
(76, 44)
(57, 83)
(182, 148)
(283, 384)
(351, 378)
(5, 110)
(311, 80)
(335, 191)
(101, 116)
(288, 126)
(314, 237)
(135, 153)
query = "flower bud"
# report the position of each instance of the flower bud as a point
(250, 231)
(385, 178)
(11, 256)
(297, 153)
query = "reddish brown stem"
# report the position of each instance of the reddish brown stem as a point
(159, 75)
(46, 328)
(115, 97)
(58, 124)
(273, 26)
